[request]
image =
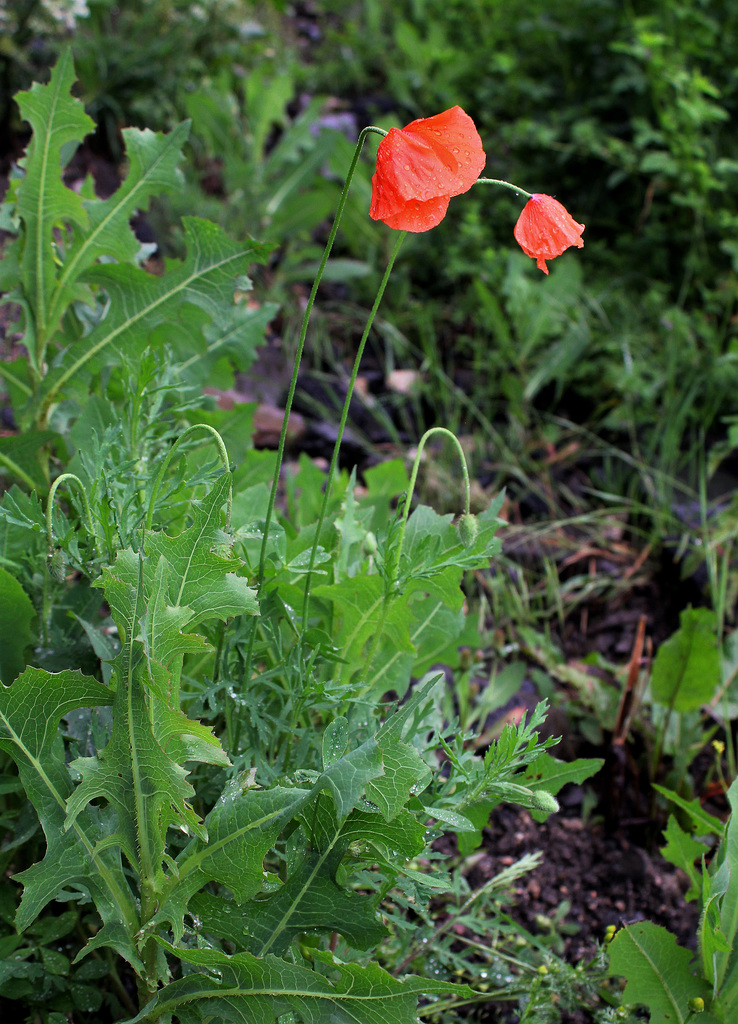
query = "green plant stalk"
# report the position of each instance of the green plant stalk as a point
(293, 383)
(393, 568)
(222, 451)
(303, 336)
(50, 508)
(505, 184)
(342, 424)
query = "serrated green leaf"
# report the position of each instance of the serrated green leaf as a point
(140, 301)
(404, 770)
(244, 989)
(43, 200)
(236, 334)
(30, 712)
(148, 790)
(658, 973)
(686, 670)
(705, 823)
(241, 829)
(152, 169)
(682, 850)
(184, 577)
(403, 836)
(16, 613)
(311, 900)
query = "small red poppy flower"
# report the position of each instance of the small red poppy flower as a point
(421, 166)
(545, 229)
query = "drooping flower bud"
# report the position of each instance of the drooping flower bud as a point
(58, 565)
(468, 529)
(545, 801)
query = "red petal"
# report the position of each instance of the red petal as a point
(432, 158)
(417, 216)
(545, 229)
(454, 141)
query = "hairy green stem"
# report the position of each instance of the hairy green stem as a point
(505, 184)
(293, 385)
(222, 451)
(303, 335)
(342, 425)
(392, 569)
(413, 479)
(63, 478)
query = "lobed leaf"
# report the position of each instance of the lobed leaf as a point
(244, 989)
(30, 712)
(140, 301)
(658, 973)
(16, 613)
(43, 201)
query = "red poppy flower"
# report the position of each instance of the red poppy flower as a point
(545, 229)
(421, 166)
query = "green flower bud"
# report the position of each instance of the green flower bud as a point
(370, 544)
(468, 529)
(696, 1004)
(544, 801)
(543, 970)
(58, 565)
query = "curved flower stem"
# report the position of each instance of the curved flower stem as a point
(301, 342)
(411, 487)
(50, 508)
(370, 129)
(342, 425)
(505, 184)
(222, 451)
(392, 569)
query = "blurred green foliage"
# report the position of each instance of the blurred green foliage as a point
(624, 111)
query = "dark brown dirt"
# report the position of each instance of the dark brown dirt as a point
(605, 878)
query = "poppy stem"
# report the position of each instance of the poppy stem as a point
(505, 184)
(301, 342)
(370, 129)
(342, 424)
(411, 488)
(395, 554)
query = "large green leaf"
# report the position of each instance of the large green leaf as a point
(43, 201)
(241, 829)
(152, 169)
(312, 900)
(686, 669)
(184, 581)
(658, 972)
(30, 712)
(244, 989)
(140, 301)
(16, 613)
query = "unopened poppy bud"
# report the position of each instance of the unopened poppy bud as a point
(468, 529)
(696, 1004)
(544, 801)
(58, 565)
